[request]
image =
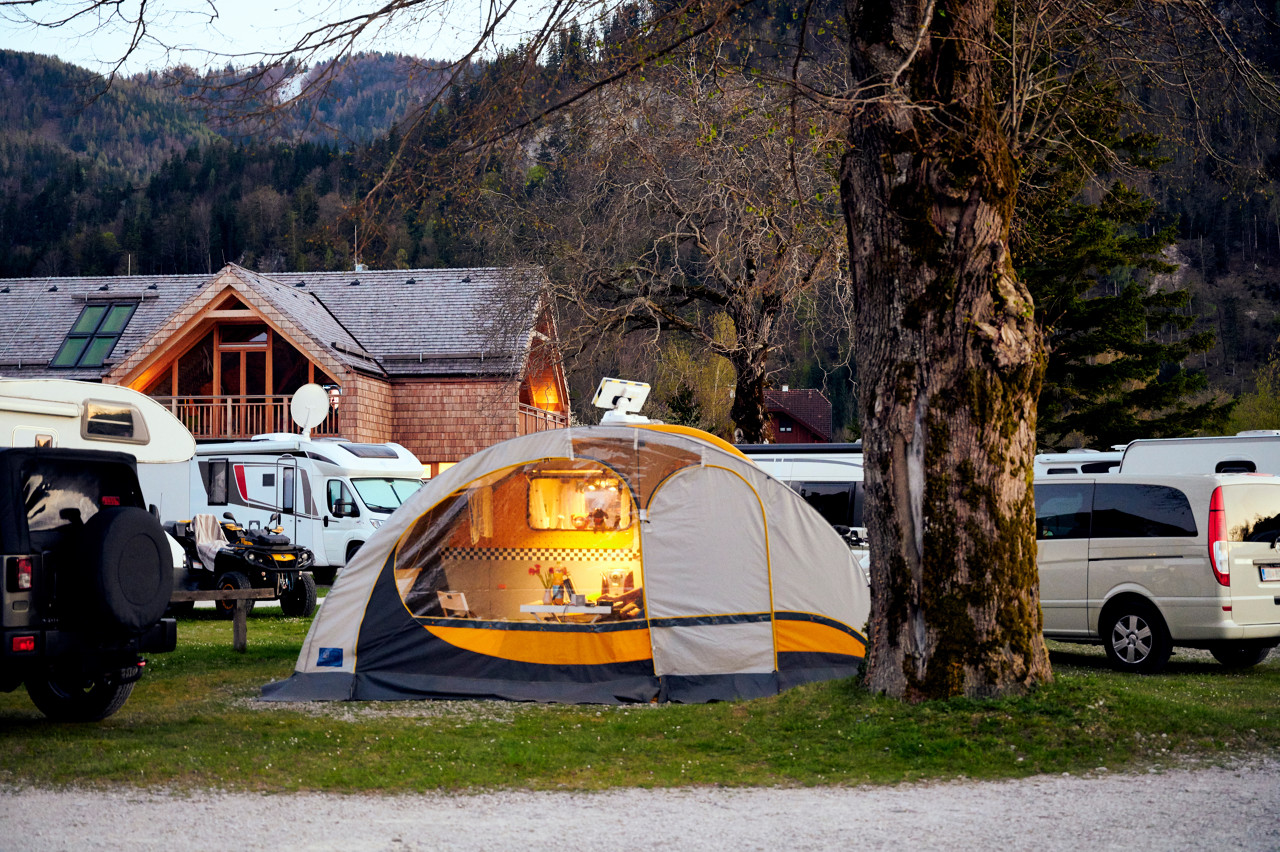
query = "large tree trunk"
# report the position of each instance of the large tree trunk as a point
(951, 357)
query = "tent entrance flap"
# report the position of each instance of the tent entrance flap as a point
(707, 572)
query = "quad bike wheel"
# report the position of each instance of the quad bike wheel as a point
(231, 581)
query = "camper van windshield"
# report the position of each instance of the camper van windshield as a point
(384, 494)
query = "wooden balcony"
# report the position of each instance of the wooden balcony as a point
(537, 420)
(238, 417)
(235, 417)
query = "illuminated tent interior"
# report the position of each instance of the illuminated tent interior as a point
(590, 565)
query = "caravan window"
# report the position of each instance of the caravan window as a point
(112, 421)
(217, 474)
(578, 500)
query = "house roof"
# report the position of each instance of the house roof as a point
(809, 407)
(397, 322)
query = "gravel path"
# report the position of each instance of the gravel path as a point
(1217, 809)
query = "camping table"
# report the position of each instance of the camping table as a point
(565, 609)
(240, 618)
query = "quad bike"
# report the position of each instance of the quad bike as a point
(245, 558)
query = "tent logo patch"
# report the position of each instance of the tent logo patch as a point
(329, 657)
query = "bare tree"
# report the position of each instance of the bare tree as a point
(672, 204)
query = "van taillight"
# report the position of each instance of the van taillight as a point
(20, 573)
(1218, 538)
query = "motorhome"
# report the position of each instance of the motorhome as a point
(827, 476)
(330, 494)
(92, 416)
(1246, 452)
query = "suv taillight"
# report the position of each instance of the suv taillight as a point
(1218, 538)
(19, 576)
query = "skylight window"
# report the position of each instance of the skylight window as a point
(94, 335)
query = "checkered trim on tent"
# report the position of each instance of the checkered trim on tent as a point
(545, 555)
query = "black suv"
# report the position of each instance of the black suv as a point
(87, 576)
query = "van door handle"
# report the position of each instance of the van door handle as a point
(326, 520)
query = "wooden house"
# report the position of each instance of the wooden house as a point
(443, 361)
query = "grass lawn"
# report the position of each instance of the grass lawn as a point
(192, 722)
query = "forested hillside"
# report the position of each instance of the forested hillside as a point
(100, 181)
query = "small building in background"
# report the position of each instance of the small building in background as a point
(798, 416)
(443, 361)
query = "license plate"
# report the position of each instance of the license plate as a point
(1269, 573)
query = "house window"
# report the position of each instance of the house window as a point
(94, 335)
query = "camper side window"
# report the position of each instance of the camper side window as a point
(341, 503)
(216, 483)
(833, 500)
(112, 421)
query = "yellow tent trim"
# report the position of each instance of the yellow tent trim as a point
(690, 432)
(550, 647)
(810, 636)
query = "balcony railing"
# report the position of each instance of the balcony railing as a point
(239, 416)
(230, 417)
(537, 420)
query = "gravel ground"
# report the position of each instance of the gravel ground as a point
(1213, 808)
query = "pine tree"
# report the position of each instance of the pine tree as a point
(1110, 377)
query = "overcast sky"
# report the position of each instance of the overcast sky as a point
(241, 27)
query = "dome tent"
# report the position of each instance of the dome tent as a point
(590, 565)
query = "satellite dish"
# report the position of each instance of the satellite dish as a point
(309, 407)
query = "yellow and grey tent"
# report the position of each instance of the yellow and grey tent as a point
(590, 565)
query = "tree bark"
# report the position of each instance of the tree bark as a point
(952, 357)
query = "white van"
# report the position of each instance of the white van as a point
(331, 494)
(1143, 563)
(1246, 452)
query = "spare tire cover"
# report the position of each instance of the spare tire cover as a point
(129, 567)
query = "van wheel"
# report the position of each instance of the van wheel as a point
(1240, 655)
(231, 581)
(1136, 638)
(68, 697)
(301, 599)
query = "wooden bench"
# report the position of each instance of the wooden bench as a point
(240, 618)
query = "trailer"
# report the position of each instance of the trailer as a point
(1255, 451)
(92, 416)
(329, 494)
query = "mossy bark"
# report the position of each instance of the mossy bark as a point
(951, 356)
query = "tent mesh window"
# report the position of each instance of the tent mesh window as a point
(556, 541)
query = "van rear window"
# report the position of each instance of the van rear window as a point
(1253, 512)
(1141, 511)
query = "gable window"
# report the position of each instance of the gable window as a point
(94, 335)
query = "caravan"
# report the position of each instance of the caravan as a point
(331, 494)
(91, 416)
(1246, 452)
